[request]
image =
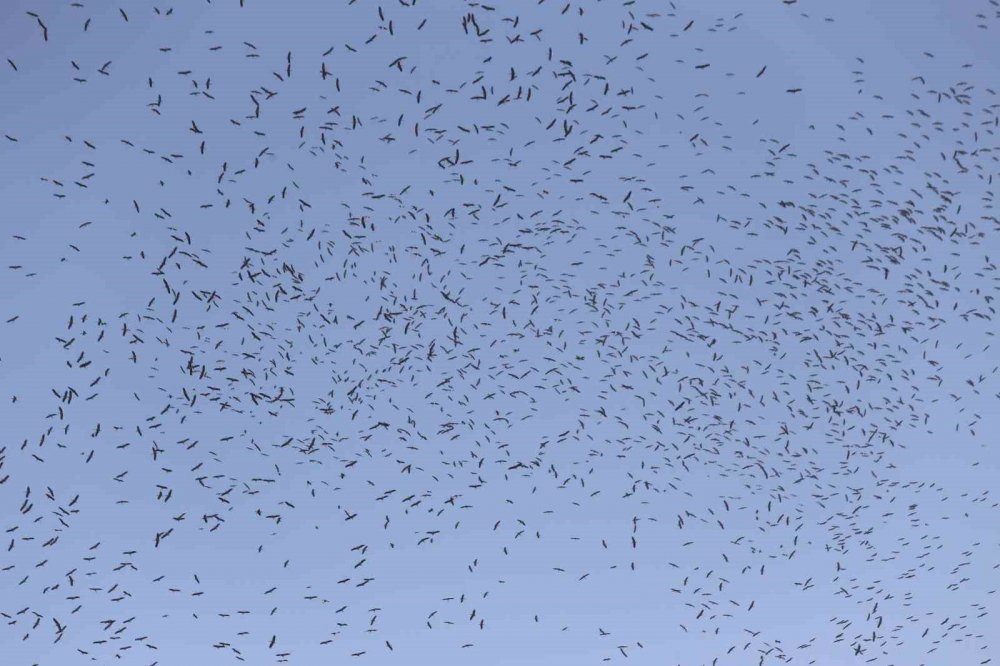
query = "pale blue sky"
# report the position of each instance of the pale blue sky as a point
(537, 383)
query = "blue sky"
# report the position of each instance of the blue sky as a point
(632, 332)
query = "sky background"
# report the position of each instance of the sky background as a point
(555, 425)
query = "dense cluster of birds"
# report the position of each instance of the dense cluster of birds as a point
(441, 332)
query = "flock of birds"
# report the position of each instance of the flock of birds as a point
(559, 332)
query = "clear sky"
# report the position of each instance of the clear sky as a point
(536, 333)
